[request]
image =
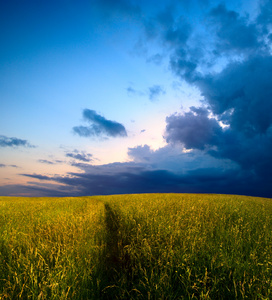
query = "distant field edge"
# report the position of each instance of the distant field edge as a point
(134, 194)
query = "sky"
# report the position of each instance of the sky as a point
(105, 97)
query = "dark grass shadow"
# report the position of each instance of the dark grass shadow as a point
(112, 246)
(116, 261)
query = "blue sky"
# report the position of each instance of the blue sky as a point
(111, 97)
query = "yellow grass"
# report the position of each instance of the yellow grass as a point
(153, 246)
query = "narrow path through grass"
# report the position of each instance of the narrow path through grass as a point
(116, 261)
(112, 244)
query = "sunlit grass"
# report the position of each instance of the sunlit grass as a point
(196, 246)
(49, 247)
(155, 246)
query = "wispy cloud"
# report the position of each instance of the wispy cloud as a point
(4, 166)
(14, 142)
(45, 161)
(82, 156)
(155, 91)
(133, 92)
(100, 126)
(38, 176)
(156, 59)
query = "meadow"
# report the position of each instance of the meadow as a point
(150, 246)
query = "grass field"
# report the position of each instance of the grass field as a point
(153, 246)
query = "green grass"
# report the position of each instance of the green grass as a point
(154, 246)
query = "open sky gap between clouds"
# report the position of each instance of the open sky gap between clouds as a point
(222, 146)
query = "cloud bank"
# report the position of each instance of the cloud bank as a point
(163, 170)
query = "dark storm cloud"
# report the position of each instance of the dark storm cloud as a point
(14, 142)
(184, 66)
(227, 33)
(233, 32)
(265, 17)
(162, 170)
(121, 183)
(253, 154)
(170, 29)
(226, 165)
(175, 31)
(242, 94)
(155, 91)
(127, 180)
(194, 129)
(99, 126)
(238, 94)
(82, 156)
